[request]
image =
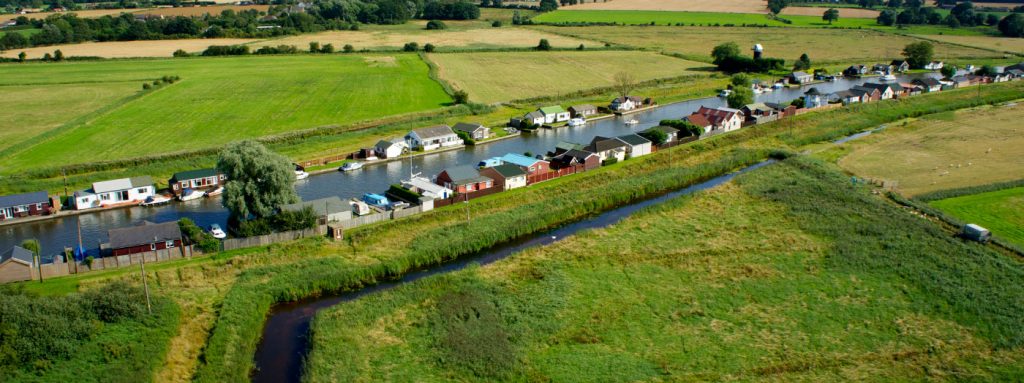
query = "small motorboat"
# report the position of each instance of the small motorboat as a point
(156, 200)
(217, 232)
(301, 175)
(215, 192)
(350, 166)
(725, 93)
(756, 90)
(889, 77)
(778, 85)
(632, 122)
(190, 194)
(579, 121)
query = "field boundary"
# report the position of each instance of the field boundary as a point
(969, 190)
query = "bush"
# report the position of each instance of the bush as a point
(181, 53)
(328, 48)
(460, 97)
(282, 221)
(543, 45)
(226, 50)
(436, 25)
(348, 48)
(200, 238)
(399, 192)
(428, 48)
(581, 47)
(410, 47)
(610, 161)
(496, 24)
(146, 86)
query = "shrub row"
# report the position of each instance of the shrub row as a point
(957, 192)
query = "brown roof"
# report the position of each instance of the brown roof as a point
(699, 120)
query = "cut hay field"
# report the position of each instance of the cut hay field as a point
(818, 11)
(787, 274)
(729, 6)
(458, 37)
(215, 10)
(219, 100)
(950, 150)
(1001, 211)
(30, 110)
(699, 18)
(785, 43)
(126, 49)
(1002, 44)
(491, 76)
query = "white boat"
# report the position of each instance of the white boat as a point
(756, 90)
(778, 85)
(156, 200)
(632, 122)
(351, 166)
(217, 232)
(190, 194)
(215, 192)
(888, 77)
(725, 93)
(301, 175)
(579, 121)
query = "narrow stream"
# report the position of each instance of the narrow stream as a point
(285, 341)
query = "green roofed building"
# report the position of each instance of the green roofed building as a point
(553, 114)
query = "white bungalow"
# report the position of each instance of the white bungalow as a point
(117, 192)
(434, 137)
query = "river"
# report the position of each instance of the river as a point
(56, 234)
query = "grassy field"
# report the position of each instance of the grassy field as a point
(790, 274)
(818, 11)
(459, 35)
(224, 99)
(950, 150)
(728, 6)
(1002, 44)
(533, 74)
(1001, 211)
(787, 43)
(125, 49)
(27, 32)
(29, 109)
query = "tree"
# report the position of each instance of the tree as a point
(887, 17)
(548, 5)
(991, 19)
(327, 48)
(948, 71)
(428, 47)
(830, 15)
(656, 136)
(261, 180)
(776, 6)
(803, 63)
(894, 3)
(624, 83)
(912, 4)
(411, 47)
(581, 47)
(180, 53)
(496, 24)
(797, 102)
(58, 55)
(543, 45)
(918, 54)
(21, 57)
(740, 80)
(1012, 25)
(952, 21)
(740, 97)
(47, 57)
(724, 51)
(436, 25)
(460, 97)
(314, 47)
(348, 48)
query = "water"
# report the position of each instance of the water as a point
(285, 339)
(55, 234)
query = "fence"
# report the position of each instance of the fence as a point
(263, 240)
(530, 180)
(327, 160)
(462, 197)
(684, 140)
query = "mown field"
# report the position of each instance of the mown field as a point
(789, 274)
(219, 100)
(950, 150)
(1002, 44)
(867, 46)
(125, 49)
(729, 6)
(534, 74)
(1001, 211)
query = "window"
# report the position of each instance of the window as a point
(39, 206)
(169, 244)
(20, 209)
(152, 247)
(105, 197)
(140, 191)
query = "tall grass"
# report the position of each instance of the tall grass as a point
(957, 192)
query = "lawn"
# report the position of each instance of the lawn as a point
(27, 32)
(1001, 211)
(788, 274)
(859, 45)
(491, 77)
(29, 109)
(950, 150)
(219, 100)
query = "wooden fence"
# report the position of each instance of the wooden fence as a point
(530, 180)
(263, 240)
(462, 197)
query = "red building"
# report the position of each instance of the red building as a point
(147, 237)
(463, 179)
(24, 205)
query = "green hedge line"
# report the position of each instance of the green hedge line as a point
(957, 192)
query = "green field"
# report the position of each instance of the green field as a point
(27, 32)
(790, 274)
(736, 19)
(1001, 211)
(866, 46)
(534, 74)
(220, 100)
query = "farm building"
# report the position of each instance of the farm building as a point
(197, 179)
(475, 131)
(585, 110)
(434, 137)
(607, 148)
(554, 114)
(16, 265)
(24, 205)
(123, 191)
(390, 148)
(330, 209)
(506, 176)
(575, 157)
(463, 179)
(144, 238)
(529, 164)
(636, 146)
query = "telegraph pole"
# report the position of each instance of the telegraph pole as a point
(467, 208)
(145, 285)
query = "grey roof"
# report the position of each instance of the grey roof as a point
(534, 115)
(601, 144)
(565, 145)
(813, 92)
(121, 184)
(465, 174)
(848, 93)
(18, 254)
(928, 81)
(322, 207)
(143, 234)
(579, 155)
(634, 139)
(583, 107)
(509, 170)
(467, 127)
(24, 199)
(800, 74)
(434, 131)
(663, 128)
(882, 87)
(193, 174)
(1015, 72)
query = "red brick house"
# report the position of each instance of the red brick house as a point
(147, 237)
(24, 205)
(463, 179)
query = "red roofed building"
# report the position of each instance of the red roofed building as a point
(716, 119)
